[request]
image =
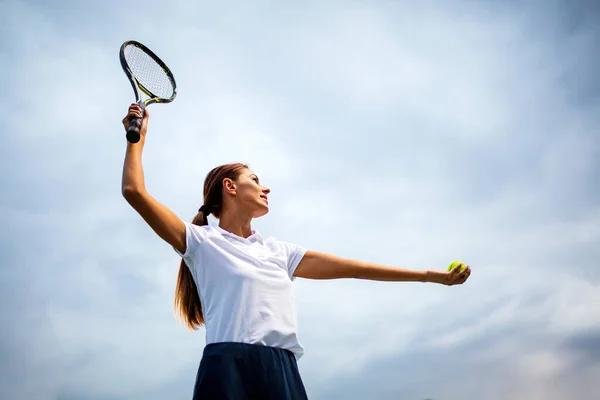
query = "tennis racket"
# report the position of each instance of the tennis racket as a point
(149, 76)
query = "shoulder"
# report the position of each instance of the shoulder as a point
(270, 240)
(281, 245)
(195, 235)
(204, 236)
(201, 230)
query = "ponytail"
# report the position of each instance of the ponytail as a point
(187, 299)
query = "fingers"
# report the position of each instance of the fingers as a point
(458, 275)
(456, 271)
(463, 275)
(135, 111)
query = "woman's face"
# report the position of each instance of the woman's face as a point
(251, 196)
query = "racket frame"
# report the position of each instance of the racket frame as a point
(133, 133)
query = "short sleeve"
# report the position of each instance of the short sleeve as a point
(294, 254)
(194, 235)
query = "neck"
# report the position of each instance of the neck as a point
(236, 224)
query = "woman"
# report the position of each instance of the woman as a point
(239, 284)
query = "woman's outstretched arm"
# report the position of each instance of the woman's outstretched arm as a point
(315, 265)
(162, 220)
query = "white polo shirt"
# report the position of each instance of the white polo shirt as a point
(245, 286)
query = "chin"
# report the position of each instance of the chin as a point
(262, 212)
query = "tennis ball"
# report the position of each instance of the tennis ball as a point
(454, 264)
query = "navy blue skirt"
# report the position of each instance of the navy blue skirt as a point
(240, 371)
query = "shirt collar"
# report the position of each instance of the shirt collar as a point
(254, 236)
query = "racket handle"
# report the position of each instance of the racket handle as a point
(133, 132)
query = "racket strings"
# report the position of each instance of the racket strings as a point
(148, 72)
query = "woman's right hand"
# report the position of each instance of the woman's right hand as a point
(135, 111)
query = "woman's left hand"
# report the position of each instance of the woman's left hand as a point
(451, 278)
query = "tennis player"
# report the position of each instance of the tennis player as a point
(238, 284)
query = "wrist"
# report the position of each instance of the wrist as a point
(136, 146)
(431, 277)
(426, 277)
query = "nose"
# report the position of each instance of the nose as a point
(266, 190)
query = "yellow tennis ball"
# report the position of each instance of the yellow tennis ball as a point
(454, 264)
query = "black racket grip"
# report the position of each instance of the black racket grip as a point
(133, 132)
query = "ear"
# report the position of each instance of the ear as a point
(229, 186)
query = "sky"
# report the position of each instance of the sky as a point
(402, 133)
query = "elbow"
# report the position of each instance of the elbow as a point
(131, 193)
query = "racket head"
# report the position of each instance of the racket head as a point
(149, 75)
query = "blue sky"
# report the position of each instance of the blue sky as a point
(404, 134)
